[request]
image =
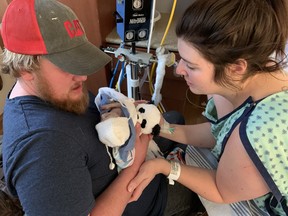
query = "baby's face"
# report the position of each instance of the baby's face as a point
(112, 110)
(113, 113)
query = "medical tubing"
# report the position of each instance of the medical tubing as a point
(151, 26)
(162, 41)
(114, 74)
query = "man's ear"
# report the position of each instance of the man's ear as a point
(27, 75)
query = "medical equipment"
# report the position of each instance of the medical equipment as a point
(133, 19)
(134, 22)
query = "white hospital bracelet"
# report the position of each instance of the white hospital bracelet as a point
(175, 172)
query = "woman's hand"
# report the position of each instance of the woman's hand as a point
(147, 172)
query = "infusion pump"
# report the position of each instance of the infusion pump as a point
(133, 19)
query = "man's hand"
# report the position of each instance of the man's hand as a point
(141, 145)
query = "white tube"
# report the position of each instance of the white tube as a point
(151, 26)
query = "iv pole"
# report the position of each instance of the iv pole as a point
(135, 60)
(133, 89)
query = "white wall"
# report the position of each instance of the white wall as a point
(8, 82)
(165, 6)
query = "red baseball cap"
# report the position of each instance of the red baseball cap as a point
(51, 29)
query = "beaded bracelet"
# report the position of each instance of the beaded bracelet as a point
(166, 128)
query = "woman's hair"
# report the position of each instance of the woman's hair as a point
(224, 31)
(14, 63)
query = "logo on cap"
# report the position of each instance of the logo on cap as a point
(74, 28)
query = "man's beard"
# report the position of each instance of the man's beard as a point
(67, 104)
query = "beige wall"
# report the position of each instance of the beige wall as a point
(3, 5)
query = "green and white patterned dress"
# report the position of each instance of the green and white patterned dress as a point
(264, 134)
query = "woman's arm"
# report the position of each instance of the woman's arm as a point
(236, 178)
(198, 135)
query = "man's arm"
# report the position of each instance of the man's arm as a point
(117, 194)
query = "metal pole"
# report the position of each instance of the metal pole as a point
(135, 90)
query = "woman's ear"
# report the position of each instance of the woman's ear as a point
(238, 68)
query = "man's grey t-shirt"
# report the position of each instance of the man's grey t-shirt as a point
(56, 165)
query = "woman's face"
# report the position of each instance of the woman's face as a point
(197, 71)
